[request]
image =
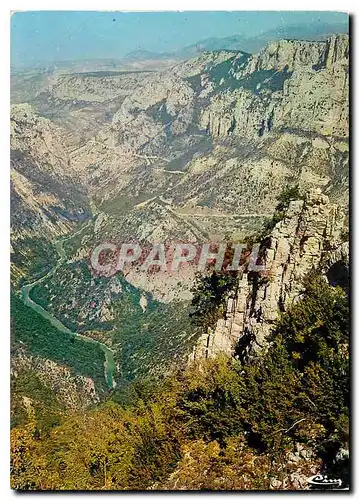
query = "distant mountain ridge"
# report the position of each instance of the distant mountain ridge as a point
(312, 32)
(157, 60)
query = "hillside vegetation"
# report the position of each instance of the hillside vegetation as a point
(213, 425)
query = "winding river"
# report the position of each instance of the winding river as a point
(25, 294)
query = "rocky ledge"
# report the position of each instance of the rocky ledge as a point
(310, 237)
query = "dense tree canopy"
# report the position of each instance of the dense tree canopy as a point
(220, 410)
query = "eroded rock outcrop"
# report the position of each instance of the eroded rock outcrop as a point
(309, 237)
(291, 84)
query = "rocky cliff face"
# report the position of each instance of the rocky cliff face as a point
(309, 237)
(97, 86)
(289, 54)
(285, 86)
(201, 130)
(46, 197)
(227, 120)
(46, 191)
(200, 151)
(291, 102)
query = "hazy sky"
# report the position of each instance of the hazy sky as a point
(50, 36)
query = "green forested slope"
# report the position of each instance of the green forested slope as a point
(226, 415)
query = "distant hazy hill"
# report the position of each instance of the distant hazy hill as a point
(142, 55)
(142, 59)
(315, 32)
(318, 31)
(234, 42)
